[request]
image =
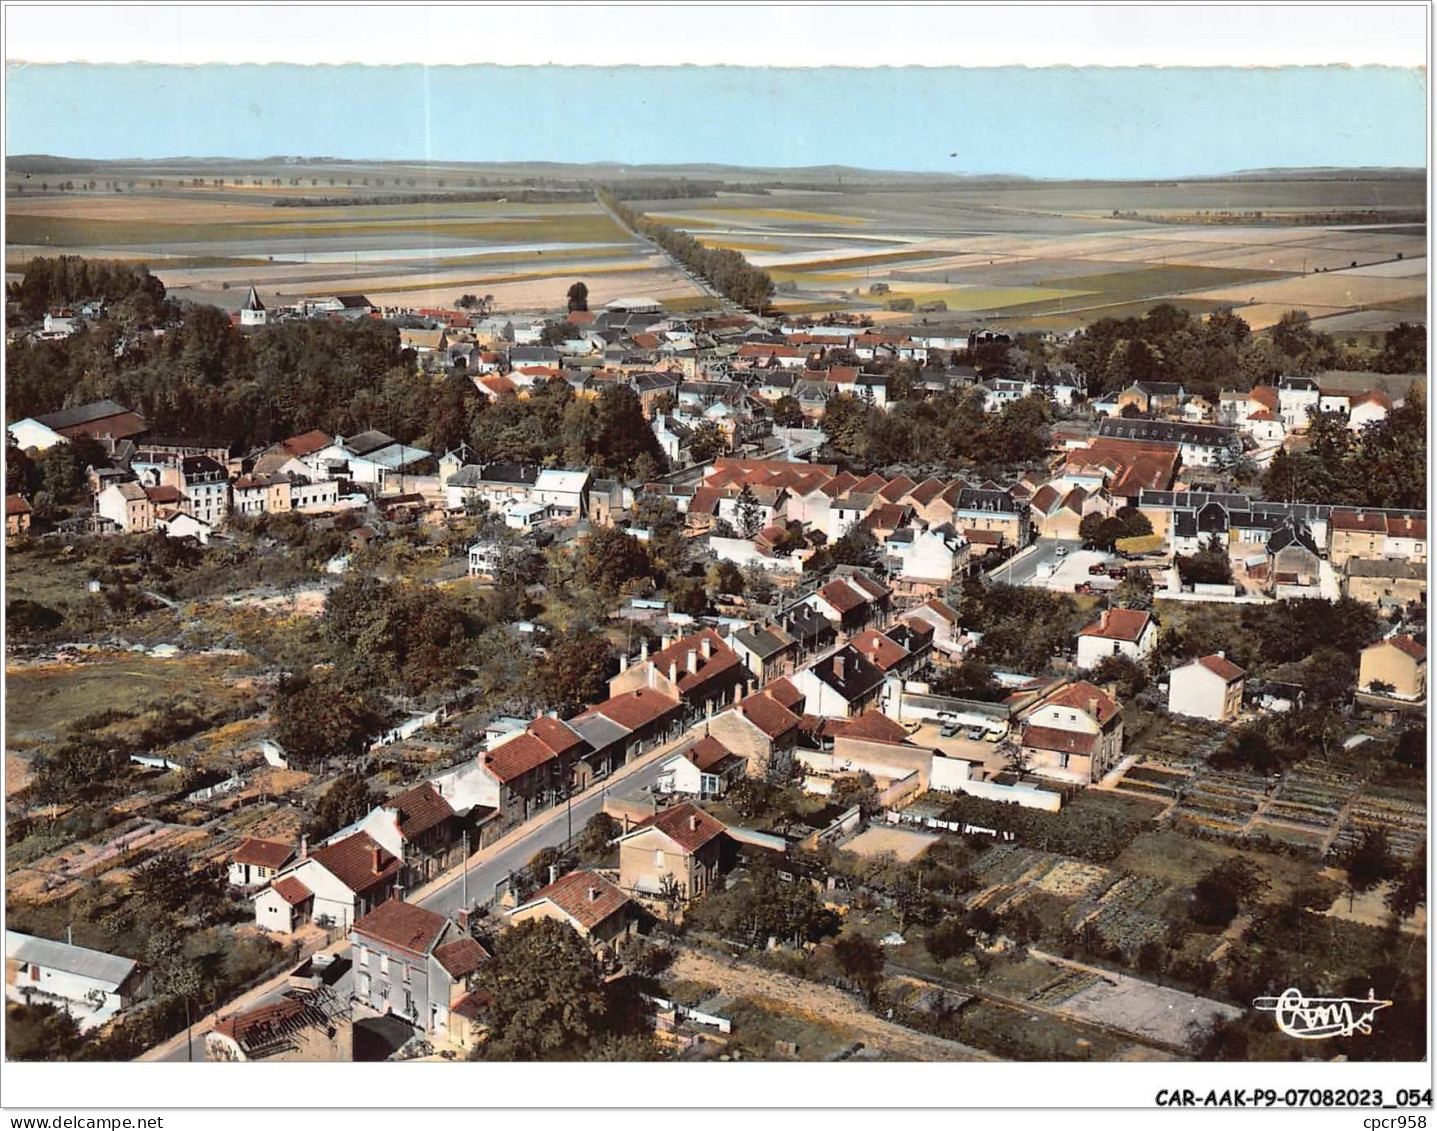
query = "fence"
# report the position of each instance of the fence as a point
(902, 817)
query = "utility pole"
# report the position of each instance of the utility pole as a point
(464, 898)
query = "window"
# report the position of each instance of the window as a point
(361, 956)
(659, 857)
(405, 968)
(384, 964)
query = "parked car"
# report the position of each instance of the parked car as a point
(949, 730)
(993, 736)
(1096, 568)
(1061, 552)
(975, 734)
(1117, 574)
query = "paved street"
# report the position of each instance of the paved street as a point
(1024, 570)
(446, 895)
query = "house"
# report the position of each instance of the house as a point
(257, 861)
(674, 438)
(1297, 399)
(485, 557)
(493, 483)
(760, 729)
(1209, 687)
(1072, 734)
(1371, 407)
(700, 670)
(133, 508)
(1374, 534)
(337, 883)
(594, 906)
(1059, 514)
(566, 492)
(412, 963)
(941, 621)
(1199, 445)
(421, 828)
(767, 650)
(623, 727)
(205, 483)
(925, 560)
(1293, 562)
(1398, 663)
(17, 516)
(90, 985)
(888, 655)
(1152, 396)
(677, 853)
(425, 343)
(1385, 582)
(704, 768)
(1118, 632)
(994, 511)
(840, 685)
(527, 516)
(306, 1026)
(852, 602)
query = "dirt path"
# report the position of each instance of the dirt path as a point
(793, 995)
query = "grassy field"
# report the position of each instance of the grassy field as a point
(43, 700)
(1181, 860)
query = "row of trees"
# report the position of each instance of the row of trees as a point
(727, 271)
(51, 282)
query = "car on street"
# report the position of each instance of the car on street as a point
(975, 734)
(949, 730)
(1061, 552)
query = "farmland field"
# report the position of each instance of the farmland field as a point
(1020, 254)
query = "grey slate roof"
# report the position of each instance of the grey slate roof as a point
(96, 964)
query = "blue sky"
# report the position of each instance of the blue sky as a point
(1050, 122)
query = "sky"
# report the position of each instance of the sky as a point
(1058, 122)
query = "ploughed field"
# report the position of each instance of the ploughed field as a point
(1016, 254)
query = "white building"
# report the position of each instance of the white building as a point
(564, 491)
(253, 313)
(1209, 687)
(1118, 632)
(90, 985)
(32, 435)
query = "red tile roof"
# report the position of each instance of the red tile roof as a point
(686, 825)
(785, 692)
(291, 890)
(878, 649)
(404, 925)
(1408, 646)
(554, 734)
(351, 861)
(584, 896)
(517, 757)
(722, 661)
(1373, 396)
(841, 595)
(461, 957)
(1264, 395)
(419, 809)
(926, 492)
(263, 853)
(1064, 741)
(1119, 624)
(874, 726)
(16, 504)
(942, 609)
(1044, 500)
(706, 752)
(1079, 694)
(1222, 667)
(306, 443)
(258, 1026)
(983, 537)
(897, 488)
(635, 709)
(767, 713)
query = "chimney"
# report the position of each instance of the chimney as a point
(673, 671)
(624, 663)
(706, 647)
(374, 864)
(644, 651)
(663, 642)
(593, 895)
(1222, 653)
(304, 848)
(693, 661)
(737, 694)
(1093, 705)
(838, 666)
(553, 872)
(693, 822)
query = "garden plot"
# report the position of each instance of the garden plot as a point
(1011, 876)
(1220, 803)
(1118, 914)
(1405, 823)
(1159, 782)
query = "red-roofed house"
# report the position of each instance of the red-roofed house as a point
(594, 906)
(1398, 663)
(17, 516)
(704, 769)
(412, 963)
(1073, 734)
(1368, 408)
(1210, 687)
(1118, 632)
(700, 669)
(258, 861)
(1353, 533)
(679, 851)
(338, 882)
(421, 828)
(760, 730)
(852, 602)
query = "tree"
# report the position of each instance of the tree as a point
(546, 992)
(611, 558)
(38, 1031)
(707, 442)
(750, 517)
(316, 719)
(594, 837)
(1367, 863)
(1135, 591)
(1122, 670)
(578, 297)
(787, 413)
(1224, 889)
(858, 789)
(347, 800)
(574, 673)
(861, 960)
(948, 940)
(972, 679)
(1410, 891)
(1209, 566)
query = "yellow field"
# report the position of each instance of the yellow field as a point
(1262, 315)
(1336, 290)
